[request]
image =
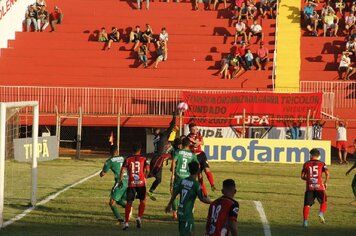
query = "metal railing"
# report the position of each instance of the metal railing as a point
(344, 92)
(112, 101)
(274, 65)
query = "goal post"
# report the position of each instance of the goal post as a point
(35, 125)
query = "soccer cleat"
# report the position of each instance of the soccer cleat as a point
(138, 223)
(174, 215)
(321, 218)
(305, 223)
(126, 226)
(120, 221)
(151, 196)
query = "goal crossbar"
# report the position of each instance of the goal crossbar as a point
(35, 125)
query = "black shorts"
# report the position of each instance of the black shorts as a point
(343, 69)
(310, 196)
(203, 161)
(259, 34)
(136, 192)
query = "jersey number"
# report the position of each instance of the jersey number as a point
(184, 194)
(184, 165)
(215, 213)
(313, 171)
(135, 167)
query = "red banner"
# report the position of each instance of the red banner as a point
(261, 109)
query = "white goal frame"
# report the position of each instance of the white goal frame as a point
(35, 125)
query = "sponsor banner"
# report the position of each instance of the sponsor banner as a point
(47, 149)
(265, 150)
(261, 109)
(215, 132)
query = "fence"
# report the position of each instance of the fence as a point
(111, 101)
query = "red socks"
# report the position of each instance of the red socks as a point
(127, 211)
(306, 212)
(323, 207)
(141, 208)
(210, 178)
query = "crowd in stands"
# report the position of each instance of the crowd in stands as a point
(143, 42)
(37, 16)
(335, 18)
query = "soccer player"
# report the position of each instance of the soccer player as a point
(315, 187)
(188, 189)
(161, 150)
(196, 141)
(118, 194)
(353, 185)
(222, 216)
(180, 170)
(137, 170)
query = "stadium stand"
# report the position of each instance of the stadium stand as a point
(71, 56)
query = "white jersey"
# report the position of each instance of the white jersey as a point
(341, 134)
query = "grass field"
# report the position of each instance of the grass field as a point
(83, 210)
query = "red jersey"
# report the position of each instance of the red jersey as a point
(313, 171)
(221, 211)
(193, 138)
(136, 165)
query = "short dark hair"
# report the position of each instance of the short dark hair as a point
(112, 28)
(229, 184)
(164, 28)
(136, 147)
(177, 142)
(185, 142)
(314, 152)
(193, 167)
(191, 125)
(137, 26)
(113, 149)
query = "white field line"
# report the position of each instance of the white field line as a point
(261, 211)
(47, 199)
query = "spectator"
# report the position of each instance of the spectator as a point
(312, 24)
(147, 36)
(113, 36)
(317, 128)
(240, 30)
(31, 18)
(341, 140)
(351, 45)
(340, 5)
(350, 21)
(139, 4)
(353, 6)
(224, 66)
(142, 54)
(255, 30)
(235, 68)
(240, 55)
(308, 10)
(163, 38)
(41, 3)
(42, 18)
(249, 59)
(56, 17)
(329, 23)
(326, 8)
(243, 13)
(239, 4)
(252, 9)
(264, 8)
(195, 5)
(344, 64)
(294, 129)
(350, 72)
(262, 57)
(136, 37)
(103, 35)
(161, 51)
(272, 4)
(216, 3)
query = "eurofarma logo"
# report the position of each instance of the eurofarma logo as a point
(260, 150)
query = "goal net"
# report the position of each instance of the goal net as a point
(18, 176)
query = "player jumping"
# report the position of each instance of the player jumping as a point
(188, 189)
(196, 141)
(137, 169)
(222, 216)
(118, 194)
(180, 169)
(315, 187)
(161, 154)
